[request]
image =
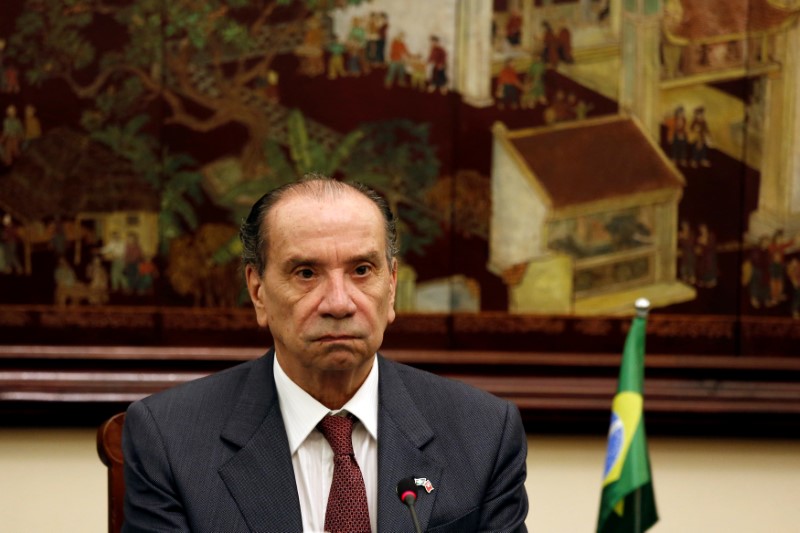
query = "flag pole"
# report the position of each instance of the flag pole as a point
(642, 306)
(637, 515)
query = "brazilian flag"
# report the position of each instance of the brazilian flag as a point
(627, 504)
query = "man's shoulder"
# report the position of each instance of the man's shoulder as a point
(464, 421)
(218, 389)
(429, 389)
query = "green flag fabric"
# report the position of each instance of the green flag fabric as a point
(627, 504)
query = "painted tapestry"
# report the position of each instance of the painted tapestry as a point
(550, 162)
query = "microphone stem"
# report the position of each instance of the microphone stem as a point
(414, 518)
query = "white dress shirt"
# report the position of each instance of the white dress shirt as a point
(312, 457)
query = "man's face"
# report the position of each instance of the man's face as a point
(327, 293)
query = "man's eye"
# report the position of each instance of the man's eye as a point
(362, 270)
(305, 273)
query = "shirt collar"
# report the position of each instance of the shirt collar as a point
(301, 412)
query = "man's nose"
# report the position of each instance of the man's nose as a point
(337, 301)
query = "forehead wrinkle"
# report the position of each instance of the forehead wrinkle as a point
(318, 214)
(321, 213)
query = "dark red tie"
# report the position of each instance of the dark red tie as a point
(347, 510)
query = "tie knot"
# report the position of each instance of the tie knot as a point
(338, 432)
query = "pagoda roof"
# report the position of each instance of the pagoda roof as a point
(709, 19)
(583, 162)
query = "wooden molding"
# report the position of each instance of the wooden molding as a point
(716, 394)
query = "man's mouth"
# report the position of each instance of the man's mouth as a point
(336, 338)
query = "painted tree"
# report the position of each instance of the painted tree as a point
(463, 203)
(204, 61)
(397, 159)
(394, 157)
(301, 155)
(201, 65)
(191, 270)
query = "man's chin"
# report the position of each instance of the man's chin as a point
(344, 354)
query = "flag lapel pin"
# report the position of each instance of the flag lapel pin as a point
(425, 483)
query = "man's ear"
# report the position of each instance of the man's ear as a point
(392, 291)
(255, 288)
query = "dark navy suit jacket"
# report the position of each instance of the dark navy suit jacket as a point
(212, 455)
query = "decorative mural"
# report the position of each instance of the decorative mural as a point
(549, 160)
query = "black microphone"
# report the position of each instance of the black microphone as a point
(407, 491)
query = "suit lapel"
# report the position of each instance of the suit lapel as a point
(403, 434)
(260, 476)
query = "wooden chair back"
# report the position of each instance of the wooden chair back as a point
(109, 448)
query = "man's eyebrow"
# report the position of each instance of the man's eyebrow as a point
(297, 261)
(370, 257)
(293, 262)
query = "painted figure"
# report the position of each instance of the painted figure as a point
(397, 61)
(383, 32)
(437, 57)
(755, 273)
(114, 251)
(557, 47)
(64, 275)
(706, 253)
(310, 53)
(701, 138)
(356, 48)
(559, 109)
(373, 23)
(133, 256)
(33, 128)
(793, 273)
(12, 79)
(514, 27)
(777, 252)
(550, 54)
(534, 84)
(565, 45)
(509, 86)
(336, 59)
(13, 135)
(146, 276)
(581, 109)
(98, 280)
(686, 253)
(58, 237)
(677, 136)
(572, 106)
(2, 67)
(416, 65)
(73, 291)
(10, 240)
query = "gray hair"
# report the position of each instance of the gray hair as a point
(254, 231)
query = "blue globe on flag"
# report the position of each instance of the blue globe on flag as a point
(616, 437)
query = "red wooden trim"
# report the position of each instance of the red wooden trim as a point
(410, 356)
(558, 386)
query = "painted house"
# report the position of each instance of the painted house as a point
(584, 218)
(66, 176)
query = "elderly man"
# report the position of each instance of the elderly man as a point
(317, 434)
